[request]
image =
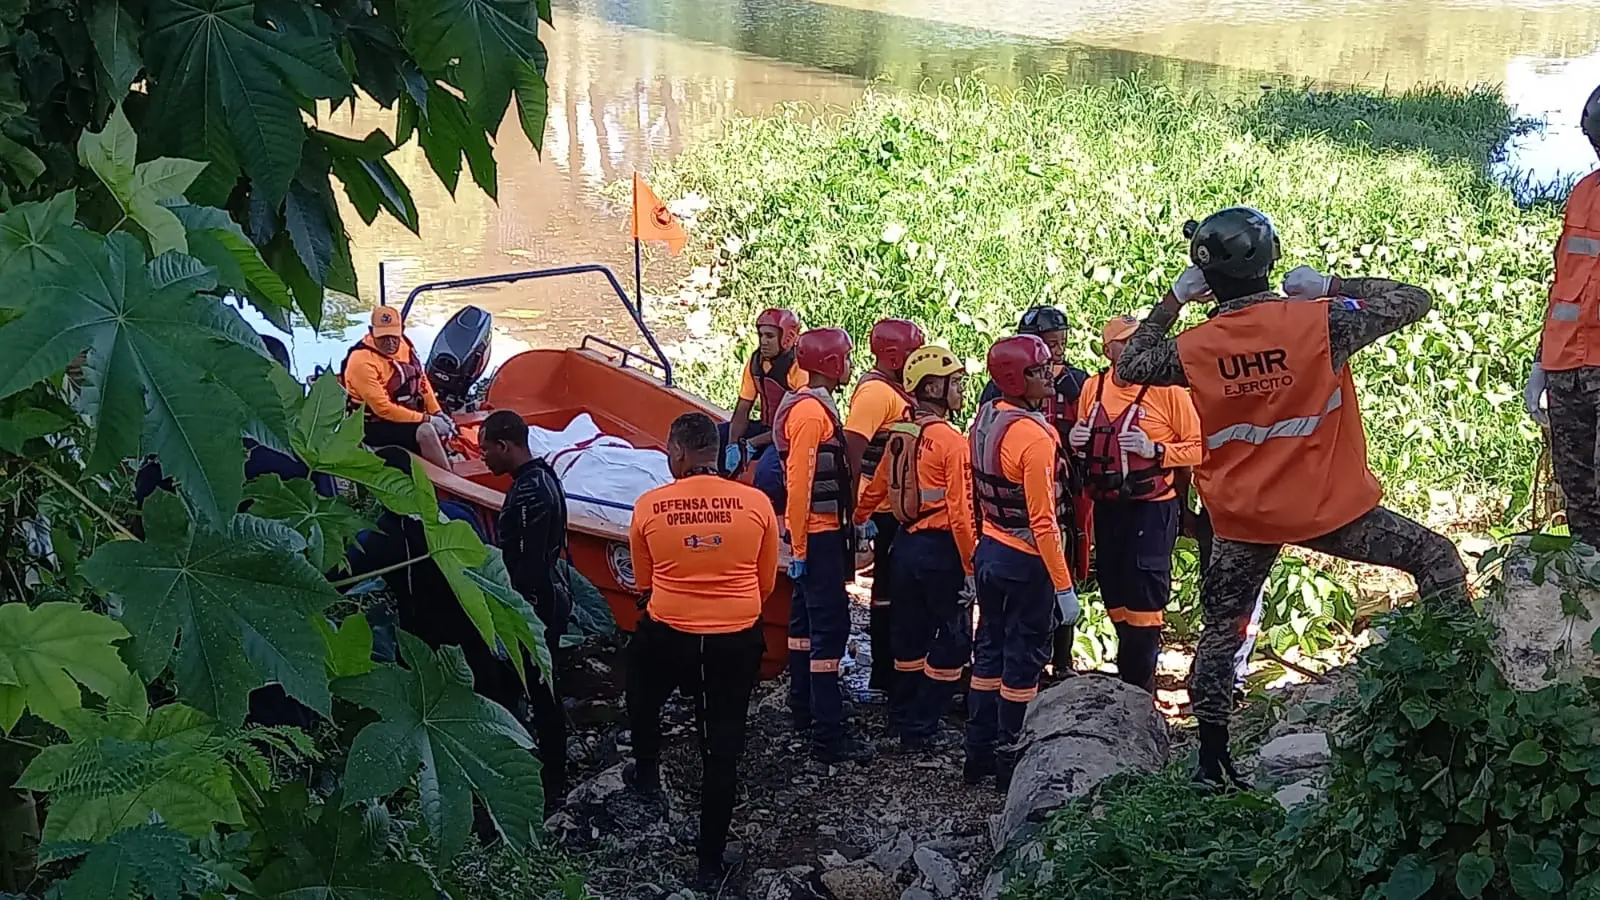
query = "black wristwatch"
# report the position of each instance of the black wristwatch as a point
(1161, 454)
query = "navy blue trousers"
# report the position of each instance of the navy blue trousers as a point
(932, 631)
(819, 627)
(1016, 617)
(1133, 564)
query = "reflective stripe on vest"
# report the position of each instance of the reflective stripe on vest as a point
(1571, 337)
(1299, 426)
(1286, 456)
(831, 484)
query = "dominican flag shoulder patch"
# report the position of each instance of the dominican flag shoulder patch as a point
(1351, 303)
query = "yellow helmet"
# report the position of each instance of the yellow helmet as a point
(930, 362)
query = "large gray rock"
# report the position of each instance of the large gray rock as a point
(1536, 640)
(892, 855)
(1294, 757)
(1077, 734)
(938, 873)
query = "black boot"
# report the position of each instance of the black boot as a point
(644, 778)
(976, 769)
(712, 870)
(1216, 772)
(1005, 764)
(1061, 652)
(845, 749)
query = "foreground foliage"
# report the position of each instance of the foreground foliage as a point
(1446, 783)
(158, 161)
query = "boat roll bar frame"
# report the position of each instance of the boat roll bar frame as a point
(660, 361)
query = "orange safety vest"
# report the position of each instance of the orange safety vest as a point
(1572, 321)
(1286, 456)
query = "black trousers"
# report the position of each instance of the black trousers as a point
(715, 672)
(880, 627)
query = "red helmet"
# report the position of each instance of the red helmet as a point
(1011, 358)
(825, 352)
(787, 323)
(893, 340)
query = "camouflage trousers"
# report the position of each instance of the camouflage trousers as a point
(1238, 570)
(1574, 400)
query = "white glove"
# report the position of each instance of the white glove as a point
(442, 424)
(1533, 393)
(1078, 436)
(969, 591)
(1067, 602)
(1191, 285)
(1137, 443)
(1306, 283)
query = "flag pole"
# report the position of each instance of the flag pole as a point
(638, 289)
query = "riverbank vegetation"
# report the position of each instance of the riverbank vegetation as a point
(959, 209)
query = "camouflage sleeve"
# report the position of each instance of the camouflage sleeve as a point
(1151, 357)
(1385, 307)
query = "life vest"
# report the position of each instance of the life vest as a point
(831, 485)
(772, 384)
(404, 386)
(874, 449)
(1111, 473)
(908, 501)
(1572, 320)
(1286, 456)
(1000, 501)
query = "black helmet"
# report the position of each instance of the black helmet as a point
(1042, 320)
(1238, 242)
(1591, 117)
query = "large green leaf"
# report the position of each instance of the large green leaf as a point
(476, 45)
(230, 90)
(121, 769)
(116, 42)
(533, 103)
(515, 623)
(241, 605)
(446, 134)
(328, 524)
(463, 744)
(219, 242)
(140, 188)
(369, 180)
(47, 651)
(349, 648)
(30, 234)
(143, 389)
(337, 857)
(146, 861)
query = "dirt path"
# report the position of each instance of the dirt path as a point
(797, 819)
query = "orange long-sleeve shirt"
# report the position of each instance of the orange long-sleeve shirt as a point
(944, 463)
(873, 407)
(707, 550)
(1167, 414)
(806, 427)
(1028, 454)
(366, 378)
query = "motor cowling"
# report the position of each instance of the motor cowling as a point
(459, 356)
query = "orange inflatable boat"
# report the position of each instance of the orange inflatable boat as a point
(549, 388)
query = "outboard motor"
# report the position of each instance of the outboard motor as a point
(460, 354)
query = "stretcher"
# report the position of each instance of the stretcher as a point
(629, 394)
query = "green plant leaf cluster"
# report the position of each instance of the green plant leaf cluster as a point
(1449, 783)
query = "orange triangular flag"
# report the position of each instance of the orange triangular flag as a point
(652, 221)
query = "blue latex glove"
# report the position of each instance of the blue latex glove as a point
(869, 530)
(797, 569)
(733, 457)
(1067, 602)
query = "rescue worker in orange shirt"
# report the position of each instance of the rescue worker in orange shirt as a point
(1129, 439)
(705, 552)
(769, 376)
(1566, 370)
(1285, 453)
(880, 400)
(820, 486)
(385, 373)
(1024, 585)
(1061, 410)
(925, 477)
